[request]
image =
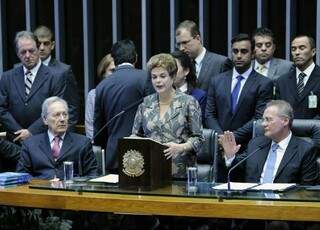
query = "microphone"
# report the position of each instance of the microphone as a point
(240, 162)
(129, 107)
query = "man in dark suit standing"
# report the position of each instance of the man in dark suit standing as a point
(71, 95)
(24, 88)
(301, 86)
(264, 62)
(207, 64)
(43, 155)
(282, 158)
(237, 97)
(124, 87)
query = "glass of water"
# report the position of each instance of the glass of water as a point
(68, 171)
(192, 174)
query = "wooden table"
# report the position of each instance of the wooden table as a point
(160, 205)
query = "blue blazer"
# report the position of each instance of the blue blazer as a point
(256, 92)
(36, 157)
(201, 97)
(125, 86)
(20, 112)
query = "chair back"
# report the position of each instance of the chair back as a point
(206, 157)
(100, 157)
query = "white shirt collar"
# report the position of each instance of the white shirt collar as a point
(47, 61)
(285, 142)
(257, 64)
(184, 88)
(245, 75)
(200, 57)
(126, 63)
(34, 70)
(51, 136)
(307, 71)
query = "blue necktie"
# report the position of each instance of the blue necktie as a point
(235, 94)
(270, 164)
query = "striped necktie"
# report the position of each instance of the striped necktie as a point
(300, 84)
(28, 82)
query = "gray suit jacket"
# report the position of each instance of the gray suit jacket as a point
(212, 64)
(277, 68)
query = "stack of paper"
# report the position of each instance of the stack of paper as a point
(236, 186)
(110, 178)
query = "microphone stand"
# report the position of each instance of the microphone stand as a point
(103, 128)
(237, 164)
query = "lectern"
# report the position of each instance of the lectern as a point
(142, 164)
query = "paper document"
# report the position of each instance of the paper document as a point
(273, 187)
(235, 186)
(110, 178)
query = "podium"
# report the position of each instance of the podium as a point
(142, 164)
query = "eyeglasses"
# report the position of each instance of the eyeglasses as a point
(178, 44)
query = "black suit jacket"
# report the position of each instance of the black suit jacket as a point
(9, 155)
(298, 164)
(124, 87)
(256, 92)
(212, 65)
(20, 112)
(71, 94)
(286, 89)
(37, 159)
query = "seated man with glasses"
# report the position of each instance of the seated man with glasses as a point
(280, 156)
(43, 155)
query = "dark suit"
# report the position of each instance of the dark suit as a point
(298, 164)
(256, 92)
(212, 64)
(286, 89)
(122, 88)
(201, 97)
(37, 159)
(71, 94)
(9, 155)
(20, 112)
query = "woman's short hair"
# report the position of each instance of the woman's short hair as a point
(165, 61)
(103, 65)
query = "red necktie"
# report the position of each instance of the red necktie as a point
(56, 148)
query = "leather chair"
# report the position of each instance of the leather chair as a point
(100, 157)
(206, 156)
(307, 129)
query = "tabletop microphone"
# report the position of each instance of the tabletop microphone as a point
(129, 107)
(240, 162)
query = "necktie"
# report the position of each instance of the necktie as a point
(260, 69)
(56, 148)
(28, 82)
(235, 94)
(270, 164)
(300, 84)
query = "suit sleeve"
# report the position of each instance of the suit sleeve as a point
(71, 95)
(211, 109)
(24, 163)
(309, 170)
(99, 119)
(89, 162)
(8, 121)
(264, 95)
